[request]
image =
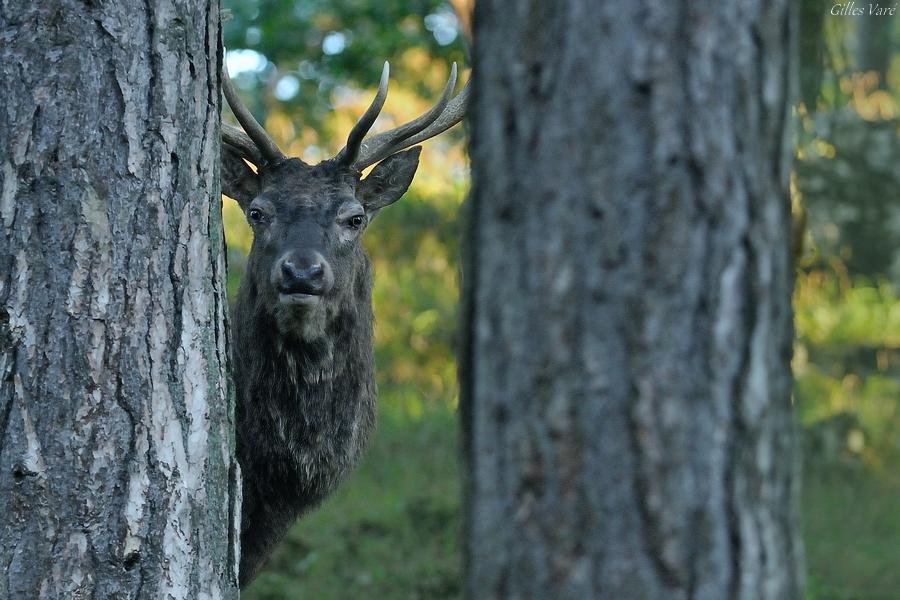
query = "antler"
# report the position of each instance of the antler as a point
(255, 144)
(443, 115)
(350, 151)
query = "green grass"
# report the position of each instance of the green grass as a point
(851, 528)
(390, 532)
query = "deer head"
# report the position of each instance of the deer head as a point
(308, 220)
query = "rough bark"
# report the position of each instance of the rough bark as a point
(625, 373)
(116, 427)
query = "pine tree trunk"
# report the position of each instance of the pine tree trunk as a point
(116, 425)
(626, 368)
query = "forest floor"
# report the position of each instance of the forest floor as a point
(851, 526)
(392, 531)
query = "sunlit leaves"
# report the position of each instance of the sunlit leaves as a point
(847, 354)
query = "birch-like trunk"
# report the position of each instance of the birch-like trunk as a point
(626, 370)
(117, 477)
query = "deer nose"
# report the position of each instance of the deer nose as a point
(306, 273)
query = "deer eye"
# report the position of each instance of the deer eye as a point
(356, 221)
(254, 215)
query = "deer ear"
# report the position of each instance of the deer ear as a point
(388, 180)
(238, 179)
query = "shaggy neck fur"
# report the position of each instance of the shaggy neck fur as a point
(305, 409)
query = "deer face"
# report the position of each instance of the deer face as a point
(308, 223)
(307, 220)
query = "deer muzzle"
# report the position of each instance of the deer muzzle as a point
(302, 277)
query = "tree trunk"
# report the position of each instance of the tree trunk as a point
(117, 477)
(874, 46)
(626, 368)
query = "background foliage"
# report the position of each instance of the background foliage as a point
(307, 70)
(847, 353)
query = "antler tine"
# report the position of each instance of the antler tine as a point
(268, 150)
(375, 148)
(240, 141)
(351, 150)
(454, 112)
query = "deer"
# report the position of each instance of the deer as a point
(302, 323)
